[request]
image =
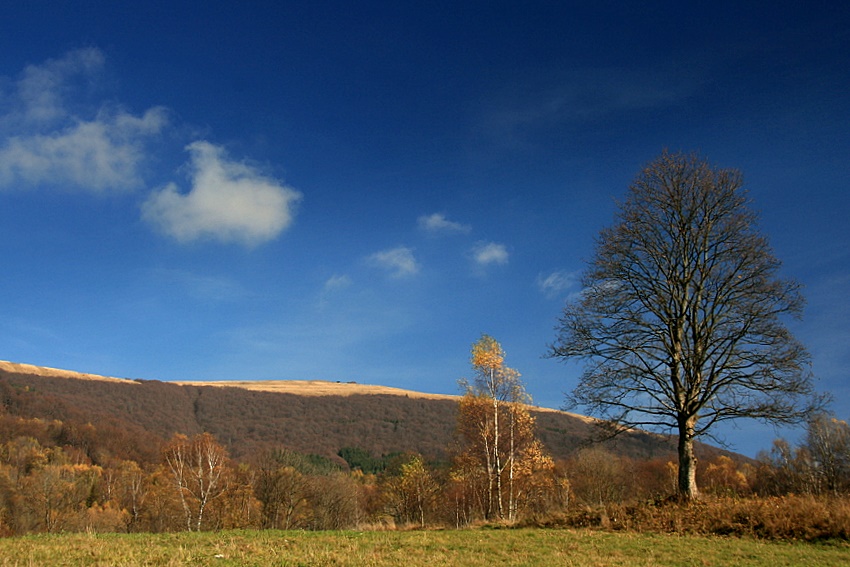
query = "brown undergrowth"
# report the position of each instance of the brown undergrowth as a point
(799, 518)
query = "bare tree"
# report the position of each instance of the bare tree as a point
(784, 470)
(129, 490)
(196, 466)
(680, 320)
(597, 477)
(828, 444)
(281, 488)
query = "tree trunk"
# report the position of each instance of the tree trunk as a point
(488, 513)
(687, 460)
(497, 460)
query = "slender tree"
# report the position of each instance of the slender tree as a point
(828, 444)
(493, 381)
(681, 316)
(498, 430)
(197, 466)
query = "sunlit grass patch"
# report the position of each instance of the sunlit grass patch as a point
(480, 547)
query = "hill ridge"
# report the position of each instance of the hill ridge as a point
(298, 387)
(309, 416)
(23, 368)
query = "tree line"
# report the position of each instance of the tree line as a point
(498, 471)
(196, 486)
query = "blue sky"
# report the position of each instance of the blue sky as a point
(357, 191)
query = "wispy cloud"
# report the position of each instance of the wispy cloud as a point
(399, 261)
(333, 286)
(437, 223)
(47, 144)
(558, 283)
(337, 282)
(41, 91)
(586, 96)
(228, 201)
(490, 253)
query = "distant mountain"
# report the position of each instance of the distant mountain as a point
(121, 418)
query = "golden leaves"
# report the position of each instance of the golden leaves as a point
(487, 354)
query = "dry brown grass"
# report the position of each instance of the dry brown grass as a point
(19, 368)
(316, 388)
(328, 388)
(796, 518)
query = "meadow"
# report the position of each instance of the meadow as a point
(472, 547)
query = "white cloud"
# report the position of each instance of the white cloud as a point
(438, 224)
(488, 253)
(100, 155)
(558, 282)
(228, 201)
(399, 261)
(53, 135)
(46, 144)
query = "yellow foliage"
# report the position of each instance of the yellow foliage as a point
(487, 353)
(723, 477)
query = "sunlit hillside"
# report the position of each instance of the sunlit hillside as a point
(132, 418)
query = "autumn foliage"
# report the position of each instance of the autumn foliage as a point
(502, 469)
(74, 471)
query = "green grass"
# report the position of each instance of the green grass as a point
(481, 547)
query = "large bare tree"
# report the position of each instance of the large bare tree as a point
(681, 317)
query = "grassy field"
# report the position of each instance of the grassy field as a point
(484, 547)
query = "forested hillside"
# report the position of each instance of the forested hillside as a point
(84, 452)
(132, 418)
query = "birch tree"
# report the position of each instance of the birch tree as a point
(828, 445)
(197, 466)
(498, 430)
